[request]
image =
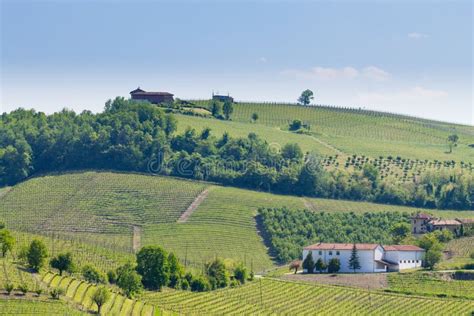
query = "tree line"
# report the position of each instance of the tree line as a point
(134, 135)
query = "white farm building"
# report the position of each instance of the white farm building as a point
(372, 257)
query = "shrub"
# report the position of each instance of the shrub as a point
(9, 287)
(91, 274)
(23, 288)
(184, 284)
(200, 284)
(334, 265)
(56, 293)
(217, 274)
(36, 254)
(240, 273)
(38, 291)
(112, 276)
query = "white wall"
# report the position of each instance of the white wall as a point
(405, 259)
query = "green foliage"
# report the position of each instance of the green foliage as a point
(112, 276)
(63, 262)
(254, 117)
(292, 151)
(308, 263)
(100, 297)
(320, 266)
(23, 288)
(290, 230)
(354, 263)
(295, 125)
(215, 108)
(334, 265)
(432, 257)
(91, 274)
(306, 97)
(200, 284)
(217, 274)
(241, 273)
(6, 241)
(176, 271)
(129, 280)
(452, 141)
(228, 109)
(400, 231)
(36, 254)
(56, 293)
(153, 266)
(9, 287)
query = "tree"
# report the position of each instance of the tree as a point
(308, 263)
(432, 257)
(217, 273)
(129, 280)
(295, 264)
(452, 142)
(63, 262)
(6, 241)
(295, 125)
(152, 265)
(334, 265)
(241, 273)
(292, 151)
(228, 109)
(176, 271)
(91, 274)
(320, 265)
(306, 97)
(206, 132)
(400, 231)
(215, 108)
(36, 254)
(200, 284)
(354, 263)
(254, 117)
(100, 297)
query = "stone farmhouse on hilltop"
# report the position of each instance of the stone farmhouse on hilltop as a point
(152, 97)
(422, 223)
(372, 257)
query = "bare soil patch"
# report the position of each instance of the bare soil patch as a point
(197, 201)
(362, 280)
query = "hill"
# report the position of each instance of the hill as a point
(101, 208)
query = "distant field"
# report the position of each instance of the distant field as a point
(366, 132)
(288, 298)
(458, 255)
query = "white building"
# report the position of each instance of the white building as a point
(372, 257)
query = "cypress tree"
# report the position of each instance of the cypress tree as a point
(354, 263)
(308, 263)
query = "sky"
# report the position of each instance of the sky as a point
(409, 57)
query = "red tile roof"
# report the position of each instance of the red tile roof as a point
(465, 220)
(331, 246)
(402, 248)
(445, 222)
(139, 91)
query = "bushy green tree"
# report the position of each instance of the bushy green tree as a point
(200, 284)
(308, 263)
(217, 273)
(306, 97)
(36, 255)
(228, 109)
(432, 257)
(241, 273)
(62, 262)
(6, 241)
(176, 271)
(215, 108)
(254, 117)
(334, 265)
(320, 266)
(400, 231)
(152, 265)
(91, 274)
(100, 297)
(129, 280)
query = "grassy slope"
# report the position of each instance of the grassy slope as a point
(288, 298)
(46, 307)
(369, 133)
(223, 225)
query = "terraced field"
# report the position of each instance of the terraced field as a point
(458, 253)
(270, 296)
(35, 307)
(430, 284)
(81, 292)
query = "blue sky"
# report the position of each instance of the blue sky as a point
(412, 57)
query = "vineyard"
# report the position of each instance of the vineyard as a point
(458, 253)
(81, 292)
(269, 296)
(26, 307)
(360, 132)
(430, 284)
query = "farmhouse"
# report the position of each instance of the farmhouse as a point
(222, 98)
(372, 257)
(152, 97)
(424, 223)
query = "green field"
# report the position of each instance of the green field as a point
(27, 307)
(367, 133)
(276, 297)
(421, 283)
(223, 225)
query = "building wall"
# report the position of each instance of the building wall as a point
(405, 259)
(154, 98)
(419, 226)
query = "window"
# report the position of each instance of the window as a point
(330, 253)
(416, 261)
(337, 253)
(320, 253)
(400, 261)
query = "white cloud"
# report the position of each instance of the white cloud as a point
(415, 95)
(327, 73)
(416, 35)
(262, 60)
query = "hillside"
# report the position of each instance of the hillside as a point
(101, 208)
(361, 132)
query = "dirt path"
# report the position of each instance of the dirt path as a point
(327, 145)
(137, 234)
(362, 280)
(309, 205)
(197, 201)
(4, 191)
